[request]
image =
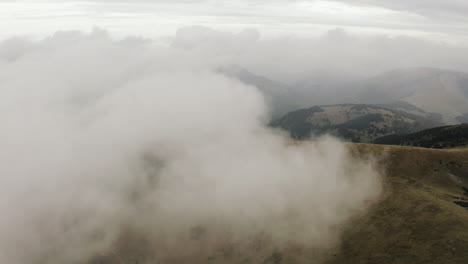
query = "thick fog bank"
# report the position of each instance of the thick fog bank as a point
(99, 136)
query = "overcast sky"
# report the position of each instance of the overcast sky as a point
(440, 20)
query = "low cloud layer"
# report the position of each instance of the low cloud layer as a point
(337, 53)
(100, 136)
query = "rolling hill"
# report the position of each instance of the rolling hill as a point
(357, 123)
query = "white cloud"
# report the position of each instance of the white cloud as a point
(337, 52)
(101, 136)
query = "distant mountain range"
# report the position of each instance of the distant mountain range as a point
(433, 90)
(277, 94)
(440, 137)
(429, 91)
(353, 122)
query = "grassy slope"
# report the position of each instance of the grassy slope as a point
(417, 220)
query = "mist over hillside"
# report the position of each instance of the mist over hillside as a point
(107, 136)
(231, 131)
(428, 92)
(433, 90)
(422, 217)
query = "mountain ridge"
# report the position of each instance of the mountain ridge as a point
(439, 91)
(439, 137)
(351, 122)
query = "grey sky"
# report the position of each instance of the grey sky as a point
(432, 19)
(432, 8)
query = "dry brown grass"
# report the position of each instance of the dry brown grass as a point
(417, 221)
